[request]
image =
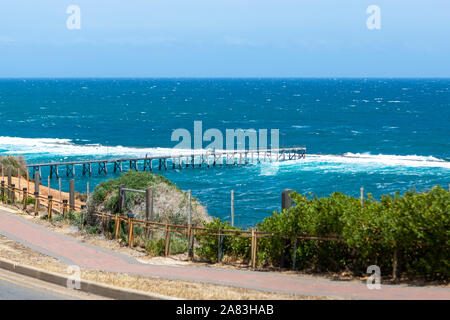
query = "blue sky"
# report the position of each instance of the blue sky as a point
(225, 38)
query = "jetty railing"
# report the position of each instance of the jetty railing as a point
(180, 160)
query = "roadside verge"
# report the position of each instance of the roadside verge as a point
(87, 286)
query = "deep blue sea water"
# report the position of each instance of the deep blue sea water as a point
(383, 134)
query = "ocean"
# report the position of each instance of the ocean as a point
(386, 135)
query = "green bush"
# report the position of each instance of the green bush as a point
(133, 180)
(417, 225)
(232, 245)
(74, 218)
(30, 200)
(178, 243)
(208, 245)
(92, 230)
(170, 203)
(156, 247)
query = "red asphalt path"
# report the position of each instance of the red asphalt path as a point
(74, 252)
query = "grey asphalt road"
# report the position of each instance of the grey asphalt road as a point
(17, 287)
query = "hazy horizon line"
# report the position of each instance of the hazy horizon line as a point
(219, 77)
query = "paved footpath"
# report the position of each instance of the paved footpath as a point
(74, 252)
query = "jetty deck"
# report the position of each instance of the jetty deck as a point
(176, 161)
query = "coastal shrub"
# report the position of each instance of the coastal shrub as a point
(155, 247)
(209, 244)
(133, 180)
(170, 202)
(29, 200)
(416, 225)
(238, 247)
(74, 218)
(178, 243)
(92, 230)
(232, 245)
(352, 235)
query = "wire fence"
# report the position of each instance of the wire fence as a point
(115, 225)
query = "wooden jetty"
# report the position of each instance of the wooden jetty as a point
(176, 161)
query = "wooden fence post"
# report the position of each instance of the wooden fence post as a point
(103, 223)
(116, 235)
(395, 264)
(189, 208)
(9, 182)
(72, 195)
(36, 203)
(191, 242)
(108, 226)
(13, 193)
(3, 191)
(50, 207)
(130, 233)
(37, 187)
(149, 204)
(149, 216)
(121, 198)
(64, 210)
(167, 241)
(83, 218)
(232, 208)
(25, 198)
(37, 182)
(220, 246)
(60, 204)
(256, 249)
(253, 248)
(294, 260)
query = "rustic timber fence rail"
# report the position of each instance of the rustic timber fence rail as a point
(129, 223)
(176, 161)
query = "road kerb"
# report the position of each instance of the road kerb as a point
(87, 286)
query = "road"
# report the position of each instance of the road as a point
(17, 287)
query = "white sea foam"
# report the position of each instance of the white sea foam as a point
(66, 147)
(381, 160)
(32, 147)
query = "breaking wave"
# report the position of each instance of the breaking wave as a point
(60, 148)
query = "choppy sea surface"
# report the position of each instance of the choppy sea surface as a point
(383, 134)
